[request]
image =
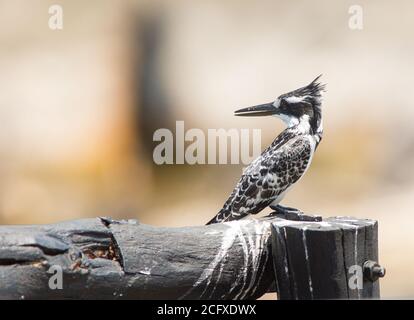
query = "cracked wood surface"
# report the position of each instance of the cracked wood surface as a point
(103, 258)
(106, 259)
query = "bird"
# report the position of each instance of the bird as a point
(269, 177)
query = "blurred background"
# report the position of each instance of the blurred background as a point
(79, 107)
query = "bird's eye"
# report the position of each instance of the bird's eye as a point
(283, 103)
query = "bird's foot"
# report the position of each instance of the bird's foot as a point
(292, 214)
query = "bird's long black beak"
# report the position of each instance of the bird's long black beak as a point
(266, 109)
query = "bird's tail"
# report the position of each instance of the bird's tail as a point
(224, 215)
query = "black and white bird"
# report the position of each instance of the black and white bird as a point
(268, 178)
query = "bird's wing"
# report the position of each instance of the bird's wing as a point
(266, 178)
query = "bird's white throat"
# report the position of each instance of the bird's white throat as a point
(302, 124)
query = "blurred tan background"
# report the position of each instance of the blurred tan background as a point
(78, 108)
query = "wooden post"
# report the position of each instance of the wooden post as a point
(106, 259)
(332, 259)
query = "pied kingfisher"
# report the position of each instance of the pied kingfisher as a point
(267, 179)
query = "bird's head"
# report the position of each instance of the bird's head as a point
(303, 104)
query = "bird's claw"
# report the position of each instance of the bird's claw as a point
(292, 214)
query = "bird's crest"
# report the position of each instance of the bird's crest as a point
(312, 90)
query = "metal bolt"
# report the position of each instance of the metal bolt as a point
(372, 270)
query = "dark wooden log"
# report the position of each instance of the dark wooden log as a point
(326, 260)
(105, 259)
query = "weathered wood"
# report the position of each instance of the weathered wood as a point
(371, 289)
(316, 260)
(106, 259)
